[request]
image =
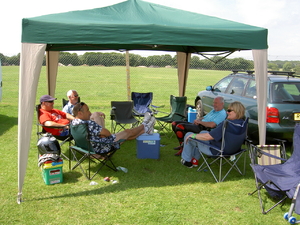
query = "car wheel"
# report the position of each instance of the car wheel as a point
(199, 109)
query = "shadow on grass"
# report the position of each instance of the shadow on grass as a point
(166, 171)
(71, 177)
(7, 122)
(125, 185)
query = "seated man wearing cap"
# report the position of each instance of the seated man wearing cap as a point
(53, 117)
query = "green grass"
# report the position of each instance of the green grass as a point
(152, 192)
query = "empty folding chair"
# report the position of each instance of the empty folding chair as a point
(122, 115)
(86, 152)
(230, 152)
(279, 180)
(178, 113)
(141, 104)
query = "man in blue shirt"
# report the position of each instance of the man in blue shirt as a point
(72, 95)
(209, 121)
(73, 99)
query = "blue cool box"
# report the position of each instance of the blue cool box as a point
(148, 146)
(192, 114)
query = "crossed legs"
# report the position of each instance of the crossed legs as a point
(180, 128)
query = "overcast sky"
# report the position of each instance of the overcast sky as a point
(280, 17)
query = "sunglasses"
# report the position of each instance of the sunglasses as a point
(230, 110)
(75, 95)
(81, 105)
(50, 101)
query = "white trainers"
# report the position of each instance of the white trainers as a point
(147, 118)
(150, 130)
(150, 125)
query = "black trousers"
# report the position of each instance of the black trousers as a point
(180, 128)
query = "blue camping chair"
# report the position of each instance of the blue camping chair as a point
(279, 180)
(230, 152)
(141, 104)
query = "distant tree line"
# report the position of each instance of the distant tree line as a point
(118, 59)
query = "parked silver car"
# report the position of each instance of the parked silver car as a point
(283, 101)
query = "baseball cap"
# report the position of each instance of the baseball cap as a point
(47, 98)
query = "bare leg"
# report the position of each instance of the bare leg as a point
(130, 134)
(98, 119)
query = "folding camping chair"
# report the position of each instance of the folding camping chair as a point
(279, 180)
(230, 152)
(41, 131)
(141, 104)
(122, 115)
(85, 151)
(178, 113)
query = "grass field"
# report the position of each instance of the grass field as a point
(152, 192)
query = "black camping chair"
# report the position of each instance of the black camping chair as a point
(122, 115)
(230, 152)
(279, 180)
(65, 101)
(178, 113)
(41, 131)
(84, 148)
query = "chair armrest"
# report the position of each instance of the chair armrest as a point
(156, 107)
(209, 145)
(248, 140)
(112, 113)
(136, 113)
(261, 152)
(101, 142)
(54, 127)
(178, 114)
(282, 143)
(155, 111)
(256, 152)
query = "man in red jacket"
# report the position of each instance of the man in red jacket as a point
(53, 117)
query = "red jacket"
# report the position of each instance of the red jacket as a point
(56, 116)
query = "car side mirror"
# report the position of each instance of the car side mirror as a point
(209, 88)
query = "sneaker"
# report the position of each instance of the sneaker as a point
(195, 162)
(187, 164)
(177, 148)
(150, 125)
(146, 128)
(147, 117)
(150, 130)
(179, 152)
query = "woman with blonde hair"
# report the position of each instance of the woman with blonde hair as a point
(190, 154)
